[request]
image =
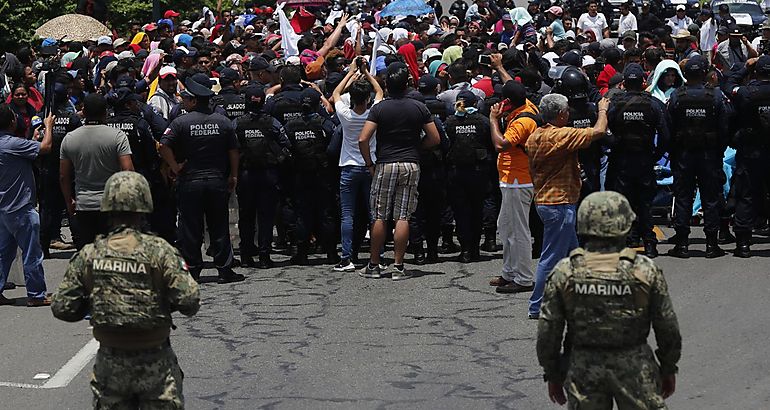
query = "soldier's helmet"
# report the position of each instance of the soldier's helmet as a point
(127, 191)
(605, 214)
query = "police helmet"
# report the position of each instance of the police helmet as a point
(573, 84)
(127, 191)
(605, 214)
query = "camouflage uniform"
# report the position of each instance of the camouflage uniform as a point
(130, 282)
(608, 297)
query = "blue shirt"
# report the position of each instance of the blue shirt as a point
(17, 181)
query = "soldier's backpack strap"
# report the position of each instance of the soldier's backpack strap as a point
(628, 266)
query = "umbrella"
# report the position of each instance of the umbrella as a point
(76, 27)
(304, 3)
(406, 8)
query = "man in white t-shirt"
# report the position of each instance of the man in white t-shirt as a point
(627, 19)
(355, 180)
(680, 21)
(594, 21)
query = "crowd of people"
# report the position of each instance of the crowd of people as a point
(491, 121)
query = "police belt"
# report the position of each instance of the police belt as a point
(605, 348)
(132, 339)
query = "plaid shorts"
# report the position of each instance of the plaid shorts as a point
(394, 190)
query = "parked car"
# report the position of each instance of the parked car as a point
(748, 14)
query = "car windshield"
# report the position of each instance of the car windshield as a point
(741, 7)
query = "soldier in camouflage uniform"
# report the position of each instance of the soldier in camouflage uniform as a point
(130, 282)
(608, 296)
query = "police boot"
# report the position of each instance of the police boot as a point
(447, 243)
(651, 249)
(247, 261)
(490, 242)
(742, 246)
(712, 246)
(299, 254)
(725, 236)
(680, 249)
(432, 256)
(419, 253)
(264, 261)
(331, 255)
(465, 257)
(227, 275)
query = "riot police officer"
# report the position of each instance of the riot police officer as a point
(229, 97)
(752, 105)
(51, 199)
(582, 114)
(200, 147)
(263, 146)
(144, 155)
(700, 116)
(468, 159)
(309, 135)
(635, 117)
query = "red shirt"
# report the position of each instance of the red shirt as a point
(485, 84)
(603, 81)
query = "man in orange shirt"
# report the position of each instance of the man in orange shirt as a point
(553, 163)
(516, 187)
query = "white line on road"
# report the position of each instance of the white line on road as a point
(67, 372)
(71, 369)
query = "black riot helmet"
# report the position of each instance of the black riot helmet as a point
(573, 84)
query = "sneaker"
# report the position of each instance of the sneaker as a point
(344, 266)
(400, 273)
(513, 287)
(370, 272)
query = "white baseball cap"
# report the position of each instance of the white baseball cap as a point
(680, 7)
(167, 71)
(429, 53)
(119, 42)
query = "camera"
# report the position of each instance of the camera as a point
(485, 59)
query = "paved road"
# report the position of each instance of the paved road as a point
(307, 338)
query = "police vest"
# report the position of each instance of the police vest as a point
(634, 122)
(126, 288)
(286, 109)
(757, 114)
(696, 121)
(257, 139)
(308, 142)
(233, 104)
(466, 148)
(129, 124)
(583, 118)
(436, 107)
(63, 124)
(607, 309)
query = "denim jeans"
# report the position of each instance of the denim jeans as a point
(355, 183)
(559, 239)
(21, 229)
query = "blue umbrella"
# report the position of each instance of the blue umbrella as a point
(406, 8)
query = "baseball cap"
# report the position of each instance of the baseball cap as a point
(515, 92)
(572, 58)
(186, 23)
(119, 42)
(430, 53)
(705, 12)
(166, 71)
(763, 64)
(629, 35)
(104, 41)
(199, 85)
(255, 95)
(588, 60)
(723, 30)
(167, 22)
(469, 97)
(682, 34)
(310, 97)
(735, 31)
(633, 72)
(555, 10)
(228, 75)
(260, 63)
(507, 17)
(169, 14)
(122, 95)
(150, 27)
(681, 7)
(695, 64)
(427, 83)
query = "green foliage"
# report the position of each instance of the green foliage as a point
(22, 17)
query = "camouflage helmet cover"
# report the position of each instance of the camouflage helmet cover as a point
(605, 214)
(127, 191)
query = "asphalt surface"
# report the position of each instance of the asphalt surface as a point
(309, 338)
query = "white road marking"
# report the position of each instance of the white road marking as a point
(67, 372)
(71, 369)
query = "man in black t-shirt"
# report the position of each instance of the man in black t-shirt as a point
(399, 122)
